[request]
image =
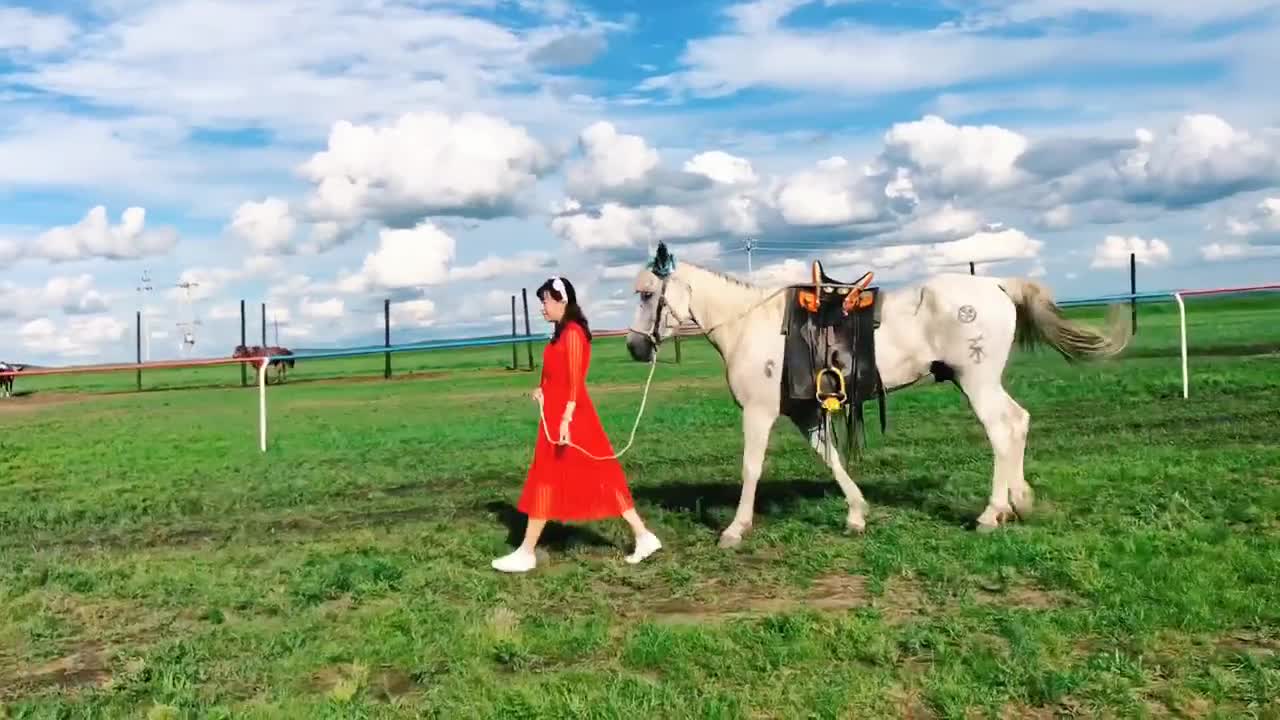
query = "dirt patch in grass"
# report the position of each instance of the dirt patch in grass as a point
(1247, 642)
(828, 593)
(34, 401)
(1023, 595)
(902, 600)
(86, 666)
(102, 628)
(344, 682)
(268, 530)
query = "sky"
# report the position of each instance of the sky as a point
(321, 156)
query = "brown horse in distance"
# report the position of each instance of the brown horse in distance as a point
(6, 381)
(255, 351)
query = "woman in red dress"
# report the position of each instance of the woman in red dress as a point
(564, 482)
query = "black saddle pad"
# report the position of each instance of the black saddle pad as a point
(811, 337)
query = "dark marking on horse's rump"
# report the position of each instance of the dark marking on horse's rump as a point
(942, 372)
(975, 350)
(966, 314)
(768, 368)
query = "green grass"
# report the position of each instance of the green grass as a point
(154, 564)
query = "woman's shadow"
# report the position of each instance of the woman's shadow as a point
(557, 536)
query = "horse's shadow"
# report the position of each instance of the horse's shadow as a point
(780, 498)
(557, 536)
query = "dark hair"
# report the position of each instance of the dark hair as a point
(572, 311)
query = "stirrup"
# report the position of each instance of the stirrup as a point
(830, 401)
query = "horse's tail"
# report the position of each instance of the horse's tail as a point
(1040, 320)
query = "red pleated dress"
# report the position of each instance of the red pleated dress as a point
(563, 484)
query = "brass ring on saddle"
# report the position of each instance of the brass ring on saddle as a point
(832, 401)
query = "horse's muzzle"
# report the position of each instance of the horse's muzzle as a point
(640, 347)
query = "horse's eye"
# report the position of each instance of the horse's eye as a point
(646, 296)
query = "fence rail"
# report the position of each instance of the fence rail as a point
(262, 363)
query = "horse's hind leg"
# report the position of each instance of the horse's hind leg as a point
(756, 426)
(1006, 424)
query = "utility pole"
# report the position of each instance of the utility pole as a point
(750, 247)
(189, 325)
(144, 286)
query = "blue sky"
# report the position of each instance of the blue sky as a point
(322, 156)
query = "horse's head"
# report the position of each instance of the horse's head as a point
(663, 305)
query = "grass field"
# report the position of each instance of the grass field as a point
(154, 564)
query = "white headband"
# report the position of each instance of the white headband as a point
(558, 286)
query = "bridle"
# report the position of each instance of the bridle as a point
(655, 333)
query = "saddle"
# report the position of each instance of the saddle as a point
(829, 355)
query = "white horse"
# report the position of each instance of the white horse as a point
(951, 326)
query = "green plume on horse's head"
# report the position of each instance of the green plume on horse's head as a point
(663, 263)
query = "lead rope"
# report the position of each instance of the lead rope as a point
(644, 398)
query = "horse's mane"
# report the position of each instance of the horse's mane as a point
(724, 276)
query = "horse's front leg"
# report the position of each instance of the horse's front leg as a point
(757, 423)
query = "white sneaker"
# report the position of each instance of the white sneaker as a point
(646, 545)
(517, 562)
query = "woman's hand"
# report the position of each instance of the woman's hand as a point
(537, 395)
(565, 420)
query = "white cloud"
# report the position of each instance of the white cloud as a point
(77, 338)
(1263, 219)
(1114, 251)
(330, 309)
(95, 237)
(189, 59)
(266, 226)
(1203, 158)
(952, 159)
(24, 30)
(493, 267)
(10, 250)
(612, 162)
(983, 247)
(1056, 218)
(616, 226)
(1223, 252)
(830, 194)
(945, 223)
(862, 59)
(73, 295)
(419, 313)
(411, 258)
(427, 163)
(722, 167)
(1174, 13)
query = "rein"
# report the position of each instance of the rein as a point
(644, 398)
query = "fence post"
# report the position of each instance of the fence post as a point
(139, 342)
(679, 359)
(528, 332)
(971, 270)
(386, 337)
(244, 377)
(515, 358)
(264, 325)
(1133, 290)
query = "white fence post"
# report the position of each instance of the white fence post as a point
(1182, 322)
(262, 405)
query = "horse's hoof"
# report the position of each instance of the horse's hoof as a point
(856, 526)
(985, 528)
(728, 541)
(1022, 500)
